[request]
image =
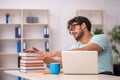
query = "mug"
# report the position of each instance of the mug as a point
(54, 68)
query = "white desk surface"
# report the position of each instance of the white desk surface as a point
(39, 76)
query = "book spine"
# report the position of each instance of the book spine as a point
(46, 32)
(19, 78)
(19, 46)
(17, 32)
(24, 46)
(7, 19)
(47, 46)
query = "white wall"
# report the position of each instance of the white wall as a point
(63, 10)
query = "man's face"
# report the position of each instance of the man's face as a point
(76, 31)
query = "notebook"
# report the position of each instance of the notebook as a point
(80, 62)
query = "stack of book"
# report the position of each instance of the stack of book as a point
(31, 62)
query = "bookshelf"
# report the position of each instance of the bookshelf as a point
(21, 28)
(97, 18)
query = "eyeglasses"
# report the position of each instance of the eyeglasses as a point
(72, 27)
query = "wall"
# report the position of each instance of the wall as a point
(63, 10)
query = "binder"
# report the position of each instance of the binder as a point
(19, 58)
(46, 32)
(47, 46)
(24, 45)
(17, 32)
(19, 46)
(19, 78)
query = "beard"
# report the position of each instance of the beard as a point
(79, 36)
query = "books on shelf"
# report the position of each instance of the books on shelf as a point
(19, 46)
(17, 32)
(24, 45)
(19, 78)
(47, 46)
(46, 32)
(19, 58)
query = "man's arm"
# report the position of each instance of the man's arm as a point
(90, 47)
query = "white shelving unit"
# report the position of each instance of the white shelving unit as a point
(97, 18)
(32, 33)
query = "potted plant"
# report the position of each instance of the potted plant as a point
(98, 31)
(115, 42)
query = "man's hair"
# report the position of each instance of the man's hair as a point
(80, 20)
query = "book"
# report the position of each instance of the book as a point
(31, 61)
(17, 32)
(19, 61)
(37, 68)
(19, 46)
(47, 46)
(29, 54)
(24, 45)
(31, 57)
(31, 64)
(46, 32)
(19, 78)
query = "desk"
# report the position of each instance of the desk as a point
(38, 76)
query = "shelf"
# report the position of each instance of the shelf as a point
(35, 24)
(91, 11)
(96, 17)
(42, 39)
(40, 16)
(39, 10)
(9, 24)
(4, 9)
(11, 54)
(10, 39)
(22, 29)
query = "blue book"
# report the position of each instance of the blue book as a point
(19, 46)
(19, 78)
(47, 46)
(17, 32)
(46, 32)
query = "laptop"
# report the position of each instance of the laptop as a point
(80, 62)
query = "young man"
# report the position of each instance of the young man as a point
(80, 28)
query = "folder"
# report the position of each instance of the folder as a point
(19, 46)
(47, 46)
(17, 32)
(46, 32)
